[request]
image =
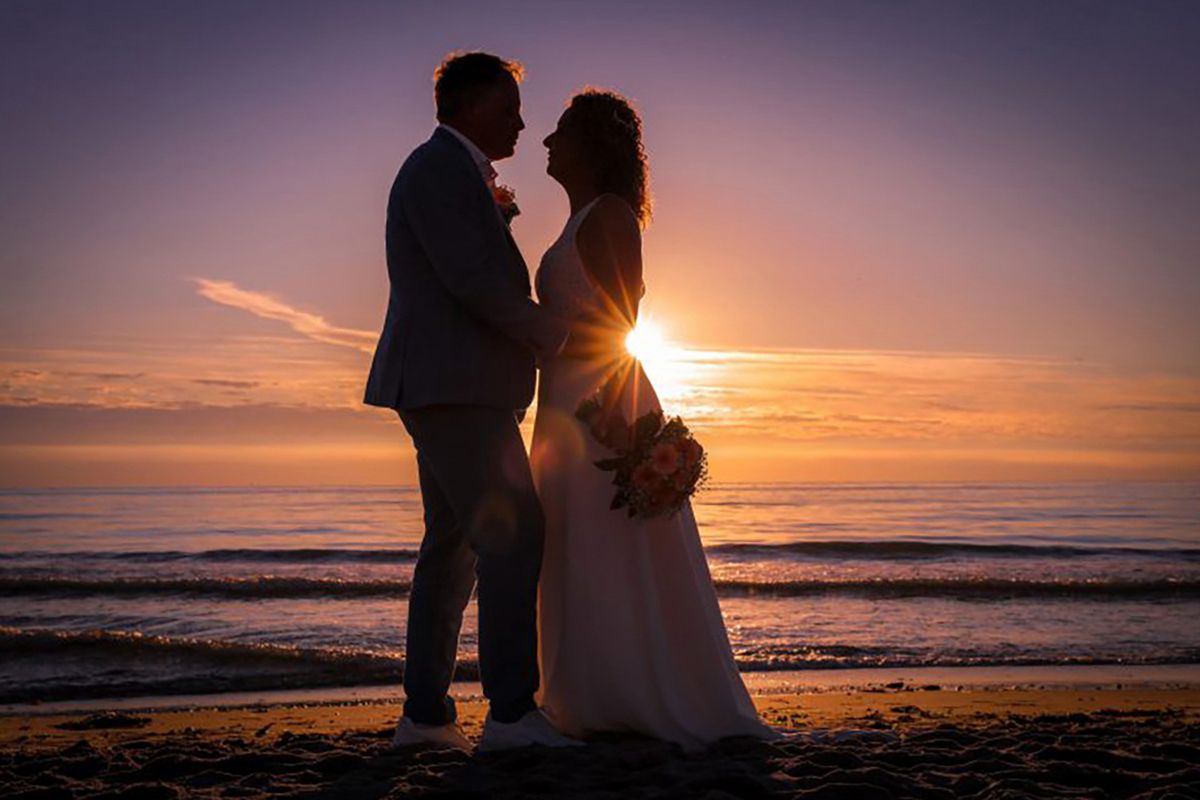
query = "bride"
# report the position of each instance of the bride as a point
(631, 636)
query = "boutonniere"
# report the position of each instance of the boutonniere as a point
(506, 199)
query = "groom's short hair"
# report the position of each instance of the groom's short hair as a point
(461, 75)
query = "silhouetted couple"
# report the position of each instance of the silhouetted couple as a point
(617, 615)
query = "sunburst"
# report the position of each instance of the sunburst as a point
(659, 358)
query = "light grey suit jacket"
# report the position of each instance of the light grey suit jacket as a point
(461, 328)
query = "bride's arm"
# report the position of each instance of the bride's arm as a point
(610, 245)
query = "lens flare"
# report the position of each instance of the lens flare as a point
(660, 359)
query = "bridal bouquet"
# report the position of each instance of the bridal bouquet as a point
(658, 463)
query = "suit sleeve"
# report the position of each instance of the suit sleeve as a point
(443, 213)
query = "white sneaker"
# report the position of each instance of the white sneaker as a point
(533, 728)
(449, 735)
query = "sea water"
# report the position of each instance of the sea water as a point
(128, 592)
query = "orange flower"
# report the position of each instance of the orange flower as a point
(644, 476)
(506, 199)
(665, 458)
(503, 194)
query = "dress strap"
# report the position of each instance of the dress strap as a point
(580, 215)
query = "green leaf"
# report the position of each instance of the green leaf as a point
(675, 428)
(647, 425)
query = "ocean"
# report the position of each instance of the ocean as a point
(118, 593)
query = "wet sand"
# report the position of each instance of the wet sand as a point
(945, 743)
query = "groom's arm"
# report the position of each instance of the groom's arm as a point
(442, 211)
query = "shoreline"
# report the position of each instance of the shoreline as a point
(894, 707)
(782, 682)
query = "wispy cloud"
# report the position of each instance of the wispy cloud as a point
(970, 400)
(263, 305)
(218, 370)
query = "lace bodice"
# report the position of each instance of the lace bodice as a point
(562, 283)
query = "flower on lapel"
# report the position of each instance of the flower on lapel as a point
(506, 199)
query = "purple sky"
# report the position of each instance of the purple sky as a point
(1000, 179)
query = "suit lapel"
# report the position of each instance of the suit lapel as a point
(520, 270)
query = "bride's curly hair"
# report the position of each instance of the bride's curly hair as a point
(610, 130)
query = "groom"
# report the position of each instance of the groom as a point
(456, 360)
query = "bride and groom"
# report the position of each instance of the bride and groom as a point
(588, 620)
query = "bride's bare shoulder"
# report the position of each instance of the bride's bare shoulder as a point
(610, 246)
(612, 220)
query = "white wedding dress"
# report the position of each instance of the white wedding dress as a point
(631, 637)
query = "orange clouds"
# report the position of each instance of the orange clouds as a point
(858, 415)
(197, 410)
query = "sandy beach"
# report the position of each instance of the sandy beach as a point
(944, 742)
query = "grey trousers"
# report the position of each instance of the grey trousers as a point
(482, 522)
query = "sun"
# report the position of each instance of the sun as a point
(660, 359)
(646, 342)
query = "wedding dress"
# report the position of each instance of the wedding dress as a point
(631, 637)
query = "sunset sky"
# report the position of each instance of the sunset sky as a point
(918, 241)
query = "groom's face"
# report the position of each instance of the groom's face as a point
(494, 119)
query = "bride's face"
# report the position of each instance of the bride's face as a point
(564, 156)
